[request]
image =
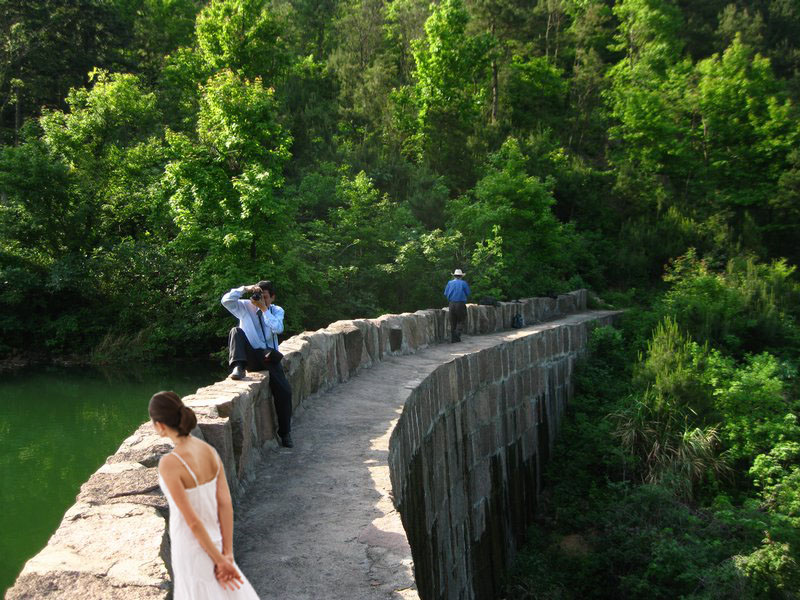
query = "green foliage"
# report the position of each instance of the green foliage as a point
(536, 93)
(114, 113)
(447, 98)
(516, 244)
(370, 248)
(703, 500)
(777, 474)
(748, 307)
(751, 400)
(243, 36)
(36, 204)
(721, 129)
(771, 570)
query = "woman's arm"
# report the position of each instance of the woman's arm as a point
(170, 471)
(224, 511)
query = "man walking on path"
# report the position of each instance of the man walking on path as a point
(456, 291)
(253, 345)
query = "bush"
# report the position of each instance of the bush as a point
(749, 307)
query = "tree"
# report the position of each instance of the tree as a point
(222, 184)
(516, 246)
(48, 47)
(448, 98)
(243, 36)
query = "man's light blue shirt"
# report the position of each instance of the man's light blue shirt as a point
(457, 290)
(249, 315)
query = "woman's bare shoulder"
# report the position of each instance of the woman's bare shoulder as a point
(168, 464)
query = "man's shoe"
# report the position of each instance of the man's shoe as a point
(238, 372)
(286, 441)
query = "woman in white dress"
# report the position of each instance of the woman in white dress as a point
(201, 514)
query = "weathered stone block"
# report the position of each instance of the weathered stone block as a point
(472, 324)
(371, 337)
(315, 366)
(529, 312)
(128, 482)
(395, 339)
(105, 552)
(484, 367)
(480, 482)
(266, 419)
(413, 332)
(353, 340)
(565, 304)
(295, 352)
(144, 446)
(217, 432)
(478, 519)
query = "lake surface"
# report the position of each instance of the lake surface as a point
(57, 426)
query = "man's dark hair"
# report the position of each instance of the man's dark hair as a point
(267, 286)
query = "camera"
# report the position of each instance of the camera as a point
(257, 295)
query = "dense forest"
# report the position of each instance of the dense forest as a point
(155, 153)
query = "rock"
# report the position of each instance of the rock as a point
(390, 329)
(413, 336)
(144, 446)
(371, 337)
(100, 552)
(395, 339)
(319, 369)
(217, 432)
(123, 482)
(353, 343)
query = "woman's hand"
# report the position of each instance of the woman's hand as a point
(227, 574)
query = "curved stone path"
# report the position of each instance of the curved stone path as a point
(318, 521)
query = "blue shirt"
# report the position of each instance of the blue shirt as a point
(457, 290)
(261, 329)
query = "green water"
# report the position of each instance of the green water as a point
(57, 426)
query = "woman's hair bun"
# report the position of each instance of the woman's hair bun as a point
(169, 409)
(188, 420)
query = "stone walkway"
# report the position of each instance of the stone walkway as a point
(318, 522)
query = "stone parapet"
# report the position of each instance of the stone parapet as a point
(114, 543)
(466, 455)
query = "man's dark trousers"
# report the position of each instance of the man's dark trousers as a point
(458, 315)
(240, 351)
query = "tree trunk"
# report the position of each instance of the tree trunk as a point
(558, 28)
(495, 89)
(547, 35)
(17, 118)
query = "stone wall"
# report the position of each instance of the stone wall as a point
(466, 455)
(113, 542)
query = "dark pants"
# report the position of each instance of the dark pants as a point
(241, 352)
(458, 316)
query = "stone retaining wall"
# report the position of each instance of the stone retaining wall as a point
(113, 542)
(466, 455)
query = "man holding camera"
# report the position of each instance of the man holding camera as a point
(253, 345)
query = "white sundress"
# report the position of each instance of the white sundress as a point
(192, 568)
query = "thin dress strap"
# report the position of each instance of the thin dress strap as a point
(180, 458)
